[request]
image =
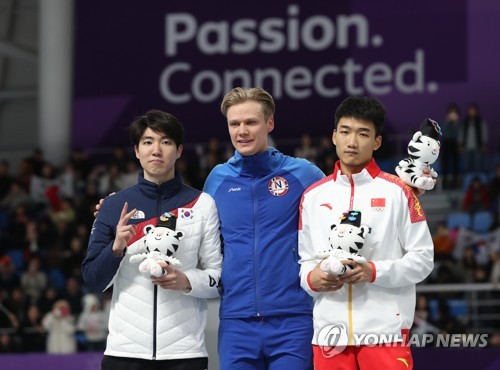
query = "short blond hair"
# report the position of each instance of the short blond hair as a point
(240, 95)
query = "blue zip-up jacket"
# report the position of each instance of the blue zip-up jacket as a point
(258, 201)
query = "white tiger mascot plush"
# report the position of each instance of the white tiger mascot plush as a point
(423, 150)
(159, 244)
(346, 240)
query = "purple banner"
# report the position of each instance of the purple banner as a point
(416, 57)
(424, 358)
(42, 361)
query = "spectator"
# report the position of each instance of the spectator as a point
(67, 181)
(24, 174)
(476, 197)
(60, 327)
(33, 335)
(472, 139)
(72, 258)
(17, 304)
(34, 280)
(62, 215)
(49, 297)
(5, 179)
(494, 190)
(446, 321)
(326, 156)
(306, 149)
(119, 158)
(8, 320)
(93, 322)
(86, 206)
(443, 243)
(111, 180)
(8, 343)
(423, 318)
(210, 155)
(17, 227)
(16, 196)
(81, 165)
(73, 294)
(129, 177)
(449, 154)
(32, 237)
(495, 269)
(40, 184)
(8, 274)
(468, 265)
(37, 161)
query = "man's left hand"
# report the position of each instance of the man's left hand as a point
(172, 279)
(360, 273)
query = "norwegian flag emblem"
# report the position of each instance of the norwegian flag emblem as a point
(378, 204)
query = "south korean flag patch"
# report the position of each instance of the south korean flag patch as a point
(186, 213)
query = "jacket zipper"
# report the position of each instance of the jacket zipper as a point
(349, 292)
(255, 252)
(155, 312)
(155, 288)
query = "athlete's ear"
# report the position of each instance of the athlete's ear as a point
(270, 124)
(378, 142)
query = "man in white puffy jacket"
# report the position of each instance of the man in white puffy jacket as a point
(362, 318)
(157, 322)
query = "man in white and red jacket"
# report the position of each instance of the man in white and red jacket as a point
(374, 302)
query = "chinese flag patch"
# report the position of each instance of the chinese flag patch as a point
(378, 204)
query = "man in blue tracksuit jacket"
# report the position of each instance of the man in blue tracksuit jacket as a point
(265, 316)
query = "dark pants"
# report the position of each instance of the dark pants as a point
(125, 363)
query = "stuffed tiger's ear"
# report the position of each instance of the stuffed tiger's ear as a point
(416, 135)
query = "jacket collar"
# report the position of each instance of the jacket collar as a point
(257, 165)
(167, 189)
(371, 171)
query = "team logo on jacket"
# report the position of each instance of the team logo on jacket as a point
(378, 204)
(186, 213)
(278, 186)
(138, 215)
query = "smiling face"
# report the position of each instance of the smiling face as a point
(157, 154)
(355, 141)
(248, 128)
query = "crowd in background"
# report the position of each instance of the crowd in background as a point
(46, 214)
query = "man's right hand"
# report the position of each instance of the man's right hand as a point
(324, 282)
(124, 232)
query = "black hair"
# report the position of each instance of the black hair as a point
(364, 108)
(157, 121)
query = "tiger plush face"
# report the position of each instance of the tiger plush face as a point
(424, 148)
(347, 237)
(162, 240)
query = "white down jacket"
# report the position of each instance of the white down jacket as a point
(149, 322)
